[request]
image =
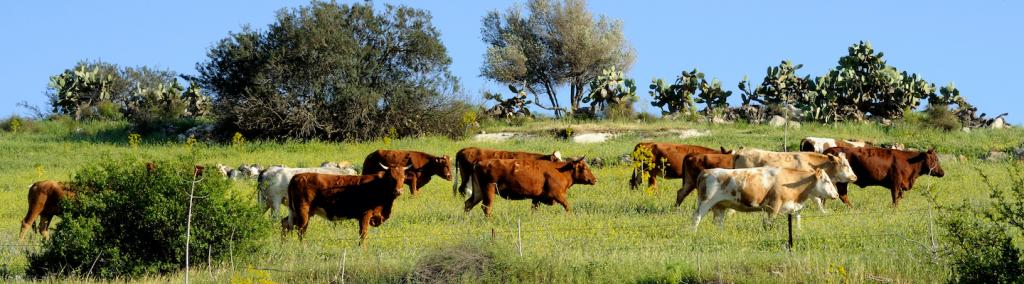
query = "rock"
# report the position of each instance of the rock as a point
(625, 159)
(966, 129)
(688, 133)
(996, 156)
(595, 162)
(199, 132)
(998, 123)
(719, 120)
(592, 137)
(494, 137)
(778, 121)
(1019, 153)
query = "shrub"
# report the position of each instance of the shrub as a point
(128, 222)
(941, 117)
(980, 241)
(16, 124)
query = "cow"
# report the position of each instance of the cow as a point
(44, 202)
(894, 169)
(694, 164)
(424, 166)
(272, 186)
(342, 164)
(667, 157)
(368, 198)
(837, 166)
(515, 179)
(817, 145)
(769, 189)
(467, 157)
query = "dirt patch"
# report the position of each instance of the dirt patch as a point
(499, 136)
(688, 133)
(452, 264)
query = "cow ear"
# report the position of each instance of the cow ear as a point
(931, 150)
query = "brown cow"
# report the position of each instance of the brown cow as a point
(467, 157)
(673, 155)
(692, 167)
(514, 179)
(424, 166)
(43, 201)
(368, 198)
(894, 169)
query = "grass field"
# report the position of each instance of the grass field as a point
(614, 235)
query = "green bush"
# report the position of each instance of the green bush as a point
(942, 118)
(980, 241)
(16, 124)
(128, 222)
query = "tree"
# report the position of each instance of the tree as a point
(335, 71)
(556, 43)
(611, 94)
(874, 87)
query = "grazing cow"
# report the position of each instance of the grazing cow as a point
(342, 164)
(836, 165)
(423, 165)
(43, 202)
(223, 170)
(368, 198)
(514, 179)
(894, 169)
(667, 157)
(694, 164)
(817, 145)
(273, 183)
(467, 157)
(770, 189)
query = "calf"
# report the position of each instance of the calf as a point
(770, 189)
(272, 186)
(43, 202)
(668, 158)
(817, 145)
(694, 164)
(423, 166)
(368, 198)
(514, 179)
(894, 169)
(467, 157)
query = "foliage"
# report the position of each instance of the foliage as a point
(941, 117)
(515, 106)
(612, 94)
(151, 99)
(127, 221)
(672, 99)
(688, 88)
(555, 43)
(15, 124)
(335, 72)
(864, 80)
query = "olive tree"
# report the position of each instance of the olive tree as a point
(335, 71)
(552, 44)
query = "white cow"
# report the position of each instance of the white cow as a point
(818, 145)
(769, 189)
(273, 183)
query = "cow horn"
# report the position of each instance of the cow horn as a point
(407, 167)
(382, 165)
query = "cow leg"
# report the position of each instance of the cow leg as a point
(30, 218)
(302, 220)
(565, 203)
(702, 209)
(652, 181)
(895, 191)
(821, 204)
(536, 203)
(489, 198)
(44, 225)
(683, 192)
(413, 184)
(364, 228)
(719, 214)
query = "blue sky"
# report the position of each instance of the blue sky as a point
(976, 44)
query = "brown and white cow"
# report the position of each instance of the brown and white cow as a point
(836, 165)
(43, 202)
(817, 145)
(368, 198)
(769, 189)
(894, 169)
(514, 179)
(469, 156)
(424, 166)
(694, 164)
(667, 157)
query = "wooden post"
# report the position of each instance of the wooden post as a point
(790, 246)
(519, 236)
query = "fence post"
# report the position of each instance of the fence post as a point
(519, 236)
(790, 218)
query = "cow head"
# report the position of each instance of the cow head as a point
(556, 156)
(581, 172)
(931, 164)
(841, 170)
(724, 151)
(442, 166)
(395, 175)
(823, 186)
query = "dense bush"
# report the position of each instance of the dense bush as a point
(980, 240)
(335, 72)
(127, 222)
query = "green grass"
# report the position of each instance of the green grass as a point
(614, 235)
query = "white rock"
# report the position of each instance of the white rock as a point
(999, 123)
(592, 137)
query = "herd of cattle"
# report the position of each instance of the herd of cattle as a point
(744, 179)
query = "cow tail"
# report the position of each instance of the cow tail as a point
(455, 178)
(261, 187)
(635, 180)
